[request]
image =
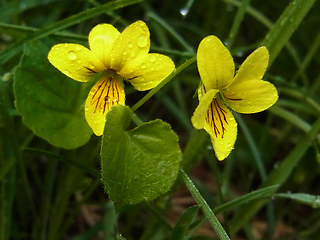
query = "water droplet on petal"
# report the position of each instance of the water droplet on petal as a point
(142, 41)
(66, 72)
(130, 45)
(143, 66)
(142, 24)
(78, 48)
(72, 55)
(153, 59)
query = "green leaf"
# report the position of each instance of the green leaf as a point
(245, 199)
(140, 164)
(51, 104)
(304, 198)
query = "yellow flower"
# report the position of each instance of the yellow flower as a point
(120, 56)
(244, 92)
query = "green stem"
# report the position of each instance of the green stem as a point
(204, 206)
(236, 22)
(170, 30)
(25, 30)
(301, 96)
(164, 82)
(254, 149)
(310, 55)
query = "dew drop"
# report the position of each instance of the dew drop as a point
(142, 41)
(184, 11)
(153, 59)
(124, 53)
(130, 45)
(78, 48)
(143, 66)
(66, 72)
(141, 24)
(72, 55)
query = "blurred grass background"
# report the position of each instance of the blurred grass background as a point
(49, 193)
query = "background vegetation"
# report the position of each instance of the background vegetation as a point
(48, 192)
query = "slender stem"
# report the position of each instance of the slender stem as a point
(236, 22)
(254, 149)
(24, 30)
(204, 205)
(170, 30)
(164, 82)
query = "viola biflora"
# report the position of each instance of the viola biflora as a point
(221, 89)
(119, 56)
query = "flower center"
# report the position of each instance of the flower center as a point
(107, 92)
(216, 117)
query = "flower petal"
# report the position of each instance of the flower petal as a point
(133, 42)
(222, 128)
(198, 118)
(147, 72)
(215, 63)
(107, 92)
(75, 61)
(101, 40)
(250, 96)
(254, 66)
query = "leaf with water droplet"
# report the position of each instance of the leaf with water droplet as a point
(139, 164)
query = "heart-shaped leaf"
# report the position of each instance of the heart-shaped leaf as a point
(139, 164)
(51, 104)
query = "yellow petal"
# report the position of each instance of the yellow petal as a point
(198, 118)
(250, 96)
(132, 43)
(222, 127)
(215, 63)
(75, 61)
(101, 40)
(254, 67)
(107, 92)
(147, 72)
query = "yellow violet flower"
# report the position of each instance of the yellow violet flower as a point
(119, 56)
(221, 89)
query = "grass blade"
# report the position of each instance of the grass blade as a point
(285, 26)
(67, 22)
(277, 176)
(258, 194)
(304, 198)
